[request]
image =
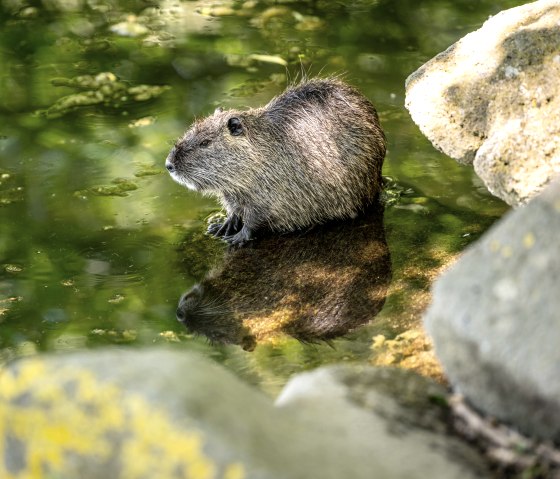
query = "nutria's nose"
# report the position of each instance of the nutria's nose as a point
(180, 315)
(169, 160)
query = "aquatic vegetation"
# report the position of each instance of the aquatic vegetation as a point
(102, 89)
(119, 187)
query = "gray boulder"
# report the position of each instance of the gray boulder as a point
(495, 319)
(398, 415)
(492, 100)
(161, 413)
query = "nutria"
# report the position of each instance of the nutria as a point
(312, 154)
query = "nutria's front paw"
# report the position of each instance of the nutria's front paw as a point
(241, 238)
(214, 228)
(231, 226)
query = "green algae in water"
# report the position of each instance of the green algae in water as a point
(9, 191)
(120, 187)
(12, 268)
(394, 193)
(102, 89)
(148, 170)
(11, 195)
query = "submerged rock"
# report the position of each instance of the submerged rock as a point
(494, 319)
(492, 99)
(161, 413)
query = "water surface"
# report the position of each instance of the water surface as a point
(97, 244)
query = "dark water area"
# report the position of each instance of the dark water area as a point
(97, 243)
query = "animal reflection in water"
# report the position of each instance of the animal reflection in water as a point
(314, 286)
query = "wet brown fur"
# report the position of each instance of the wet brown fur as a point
(312, 154)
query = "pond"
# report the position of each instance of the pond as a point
(97, 243)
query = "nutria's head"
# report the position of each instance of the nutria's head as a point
(212, 152)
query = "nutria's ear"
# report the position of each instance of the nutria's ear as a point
(234, 126)
(218, 110)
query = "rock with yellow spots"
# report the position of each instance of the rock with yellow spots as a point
(119, 414)
(495, 321)
(167, 414)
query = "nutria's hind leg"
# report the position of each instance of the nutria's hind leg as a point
(231, 226)
(242, 237)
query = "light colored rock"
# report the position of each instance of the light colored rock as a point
(397, 412)
(171, 414)
(492, 99)
(495, 316)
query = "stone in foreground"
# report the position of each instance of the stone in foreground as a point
(170, 414)
(495, 321)
(492, 99)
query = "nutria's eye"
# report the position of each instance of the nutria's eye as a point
(234, 126)
(204, 143)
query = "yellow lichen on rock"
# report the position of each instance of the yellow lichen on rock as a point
(62, 418)
(234, 471)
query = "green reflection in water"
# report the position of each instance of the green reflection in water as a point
(96, 245)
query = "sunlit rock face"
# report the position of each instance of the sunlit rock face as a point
(492, 100)
(494, 319)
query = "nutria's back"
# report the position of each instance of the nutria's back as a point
(312, 154)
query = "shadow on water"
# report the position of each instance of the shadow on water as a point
(314, 286)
